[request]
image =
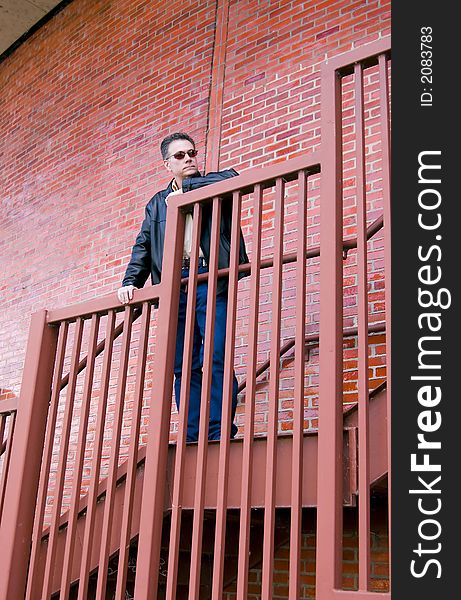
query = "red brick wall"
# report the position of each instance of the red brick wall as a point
(85, 103)
(87, 99)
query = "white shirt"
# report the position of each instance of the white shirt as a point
(187, 230)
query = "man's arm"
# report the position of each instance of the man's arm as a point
(193, 183)
(138, 268)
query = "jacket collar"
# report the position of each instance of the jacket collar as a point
(162, 204)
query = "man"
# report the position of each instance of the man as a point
(180, 159)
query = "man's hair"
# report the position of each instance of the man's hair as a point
(172, 138)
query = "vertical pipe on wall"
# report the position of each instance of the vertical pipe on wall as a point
(213, 141)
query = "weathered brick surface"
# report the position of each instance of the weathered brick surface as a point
(86, 100)
(84, 104)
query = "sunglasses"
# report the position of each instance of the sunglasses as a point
(181, 154)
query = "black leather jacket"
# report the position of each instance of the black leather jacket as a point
(147, 252)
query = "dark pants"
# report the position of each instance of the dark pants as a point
(214, 431)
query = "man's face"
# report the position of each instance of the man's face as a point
(181, 167)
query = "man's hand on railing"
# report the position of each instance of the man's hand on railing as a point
(125, 293)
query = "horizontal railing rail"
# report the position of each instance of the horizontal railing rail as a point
(102, 306)
(8, 406)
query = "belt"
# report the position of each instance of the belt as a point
(186, 262)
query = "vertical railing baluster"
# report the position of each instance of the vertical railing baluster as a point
(62, 461)
(386, 158)
(178, 481)
(7, 457)
(80, 452)
(153, 494)
(114, 454)
(330, 465)
(247, 458)
(224, 448)
(272, 426)
(132, 455)
(46, 462)
(202, 451)
(26, 456)
(96, 463)
(362, 324)
(298, 400)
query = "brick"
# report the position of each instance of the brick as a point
(81, 160)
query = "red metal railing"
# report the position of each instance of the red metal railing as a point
(49, 452)
(27, 442)
(254, 182)
(330, 503)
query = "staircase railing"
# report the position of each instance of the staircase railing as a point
(41, 397)
(287, 258)
(352, 65)
(44, 415)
